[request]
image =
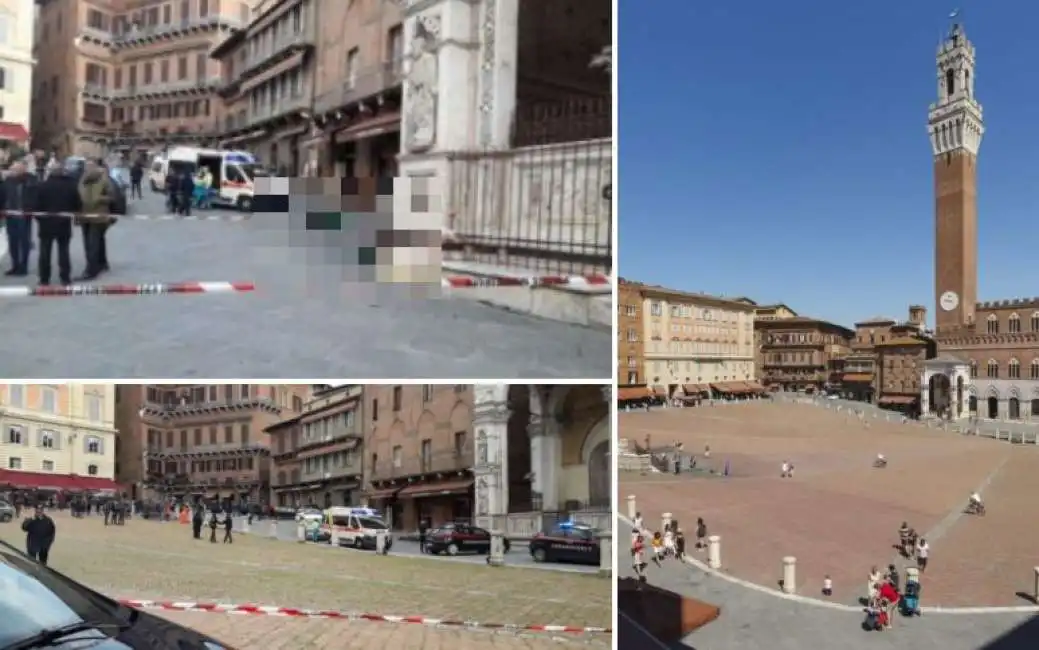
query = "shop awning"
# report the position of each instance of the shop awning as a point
(695, 389)
(660, 391)
(384, 493)
(47, 481)
(858, 376)
(728, 387)
(755, 387)
(898, 400)
(442, 488)
(627, 393)
(369, 128)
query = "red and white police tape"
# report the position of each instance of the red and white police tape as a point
(268, 610)
(88, 216)
(76, 290)
(460, 282)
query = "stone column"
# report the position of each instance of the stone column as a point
(491, 465)
(546, 449)
(925, 393)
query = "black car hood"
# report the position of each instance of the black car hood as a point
(146, 632)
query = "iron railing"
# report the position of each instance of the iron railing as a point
(545, 204)
(439, 460)
(364, 84)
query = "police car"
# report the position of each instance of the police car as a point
(567, 542)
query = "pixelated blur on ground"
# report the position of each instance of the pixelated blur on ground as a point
(838, 516)
(156, 561)
(309, 316)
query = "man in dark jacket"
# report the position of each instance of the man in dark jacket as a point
(39, 535)
(185, 189)
(136, 175)
(59, 193)
(196, 521)
(96, 192)
(18, 195)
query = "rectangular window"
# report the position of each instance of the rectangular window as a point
(48, 399)
(398, 456)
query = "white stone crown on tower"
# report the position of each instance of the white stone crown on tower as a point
(955, 121)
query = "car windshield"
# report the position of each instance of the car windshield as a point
(34, 598)
(253, 170)
(372, 522)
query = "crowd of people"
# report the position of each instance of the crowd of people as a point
(669, 543)
(186, 190)
(35, 187)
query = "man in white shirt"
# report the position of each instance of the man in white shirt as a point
(923, 551)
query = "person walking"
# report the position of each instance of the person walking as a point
(423, 530)
(17, 198)
(136, 175)
(196, 522)
(96, 193)
(39, 535)
(59, 193)
(228, 524)
(212, 526)
(185, 189)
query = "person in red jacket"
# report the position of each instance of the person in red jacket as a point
(889, 596)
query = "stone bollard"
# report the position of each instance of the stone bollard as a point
(301, 533)
(274, 528)
(632, 510)
(1035, 590)
(380, 542)
(666, 521)
(605, 555)
(789, 574)
(714, 552)
(497, 555)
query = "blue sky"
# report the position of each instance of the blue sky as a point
(779, 150)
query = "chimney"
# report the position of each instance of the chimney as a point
(918, 315)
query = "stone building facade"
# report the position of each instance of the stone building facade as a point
(801, 354)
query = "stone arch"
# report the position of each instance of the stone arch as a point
(1014, 392)
(597, 457)
(992, 391)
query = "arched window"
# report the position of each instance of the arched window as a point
(1034, 374)
(47, 439)
(1014, 369)
(1035, 322)
(92, 470)
(92, 445)
(1014, 408)
(992, 324)
(992, 369)
(950, 82)
(1014, 324)
(974, 369)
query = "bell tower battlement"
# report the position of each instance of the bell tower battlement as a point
(955, 126)
(955, 120)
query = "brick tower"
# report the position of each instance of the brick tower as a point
(956, 128)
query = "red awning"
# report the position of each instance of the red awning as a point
(40, 480)
(13, 132)
(436, 489)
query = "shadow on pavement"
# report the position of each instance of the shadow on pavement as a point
(651, 618)
(1021, 637)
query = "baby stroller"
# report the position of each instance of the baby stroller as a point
(911, 596)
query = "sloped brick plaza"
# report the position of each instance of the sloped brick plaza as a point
(160, 561)
(838, 515)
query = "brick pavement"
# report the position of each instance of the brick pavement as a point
(839, 516)
(751, 620)
(146, 560)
